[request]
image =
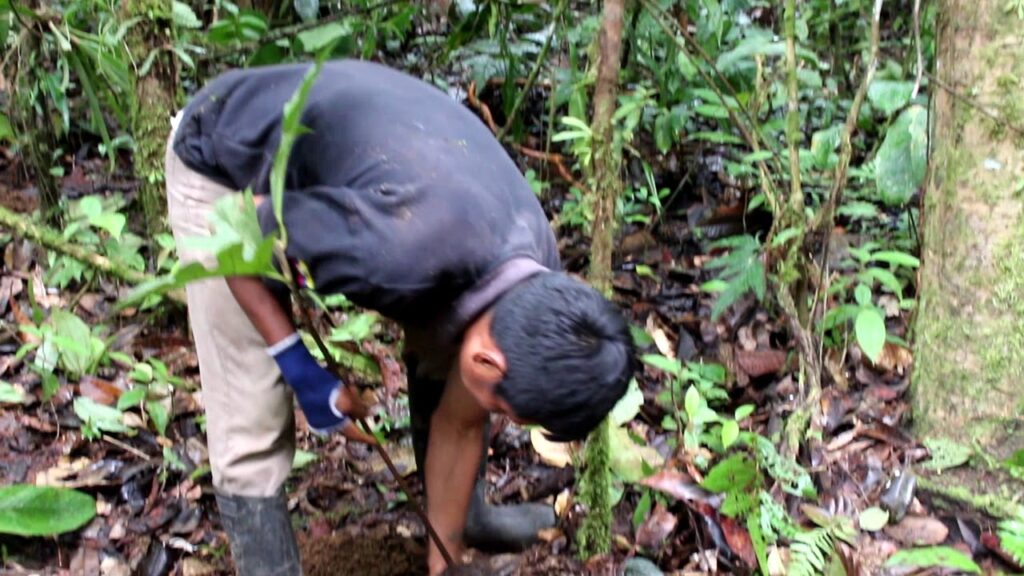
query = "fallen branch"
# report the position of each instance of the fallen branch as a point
(21, 225)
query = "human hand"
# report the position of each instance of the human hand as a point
(318, 391)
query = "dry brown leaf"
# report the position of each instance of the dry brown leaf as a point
(760, 362)
(918, 531)
(99, 390)
(678, 485)
(563, 502)
(653, 532)
(661, 341)
(895, 358)
(557, 454)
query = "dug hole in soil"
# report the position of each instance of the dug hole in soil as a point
(366, 553)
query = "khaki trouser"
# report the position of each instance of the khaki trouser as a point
(250, 421)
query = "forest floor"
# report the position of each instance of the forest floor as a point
(157, 514)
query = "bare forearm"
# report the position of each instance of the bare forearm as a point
(453, 458)
(266, 315)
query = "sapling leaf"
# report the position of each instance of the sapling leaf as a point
(692, 402)
(667, 365)
(869, 328)
(730, 475)
(97, 417)
(730, 432)
(629, 405)
(132, 397)
(27, 510)
(9, 394)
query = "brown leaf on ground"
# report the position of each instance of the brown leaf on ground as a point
(757, 363)
(739, 540)
(656, 528)
(895, 358)
(991, 542)
(678, 485)
(918, 531)
(99, 390)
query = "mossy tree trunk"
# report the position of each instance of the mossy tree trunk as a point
(595, 534)
(152, 105)
(968, 380)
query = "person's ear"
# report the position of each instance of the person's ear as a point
(489, 364)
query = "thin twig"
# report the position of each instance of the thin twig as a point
(541, 57)
(127, 448)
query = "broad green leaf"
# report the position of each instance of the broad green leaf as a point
(862, 295)
(900, 162)
(667, 365)
(90, 206)
(945, 454)
(640, 336)
(183, 16)
(317, 38)
(686, 65)
(730, 432)
(131, 398)
(889, 95)
(692, 402)
(112, 222)
(858, 209)
(9, 394)
(934, 557)
(896, 258)
(744, 411)
(873, 519)
(869, 328)
(99, 417)
(629, 405)
(628, 458)
(730, 475)
(27, 510)
(78, 349)
(158, 413)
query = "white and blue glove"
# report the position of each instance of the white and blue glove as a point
(315, 388)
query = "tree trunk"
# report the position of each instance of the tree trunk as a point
(152, 106)
(595, 534)
(968, 380)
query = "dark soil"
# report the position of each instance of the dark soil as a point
(365, 554)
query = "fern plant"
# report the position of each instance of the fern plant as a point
(811, 550)
(1011, 537)
(741, 272)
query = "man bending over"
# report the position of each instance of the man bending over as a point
(399, 198)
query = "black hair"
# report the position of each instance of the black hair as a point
(569, 354)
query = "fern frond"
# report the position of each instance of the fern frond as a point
(809, 552)
(1011, 537)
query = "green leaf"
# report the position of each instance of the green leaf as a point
(870, 330)
(667, 365)
(873, 519)
(159, 415)
(862, 295)
(316, 39)
(627, 458)
(900, 162)
(98, 417)
(744, 411)
(896, 258)
(356, 328)
(10, 395)
(183, 16)
(934, 557)
(793, 478)
(6, 130)
(79, 351)
(889, 95)
(715, 137)
(730, 475)
(945, 454)
(629, 405)
(27, 510)
(730, 432)
(640, 336)
(302, 459)
(131, 398)
(686, 65)
(692, 402)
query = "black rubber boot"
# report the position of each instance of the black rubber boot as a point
(260, 531)
(488, 528)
